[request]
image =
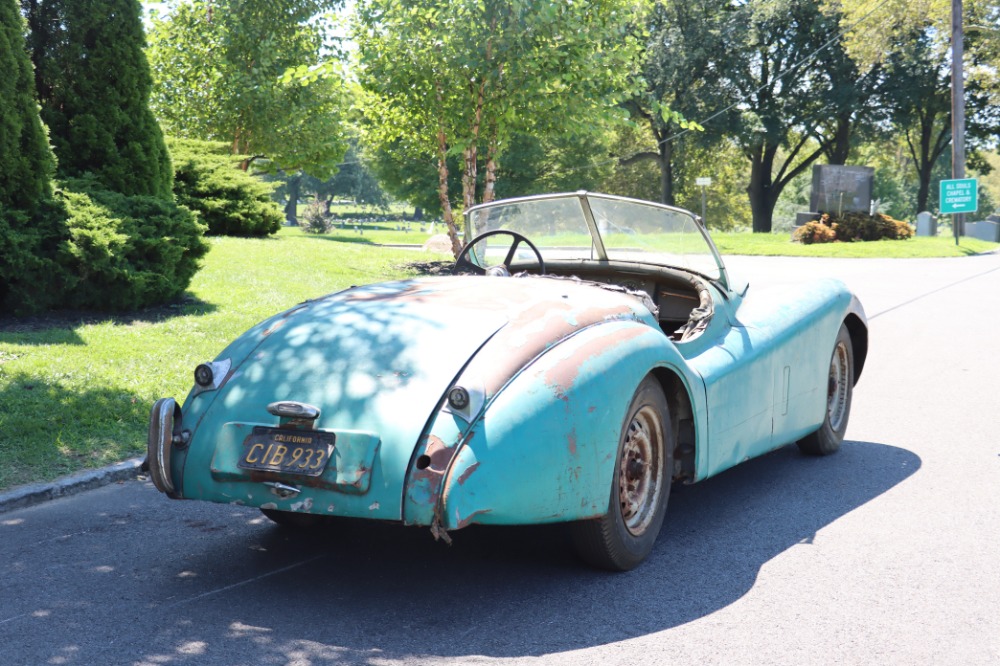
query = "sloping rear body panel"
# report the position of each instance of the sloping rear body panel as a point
(377, 361)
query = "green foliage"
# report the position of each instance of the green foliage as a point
(230, 201)
(786, 46)
(93, 85)
(26, 163)
(31, 278)
(217, 69)
(354, 180)
(89, 248)
(851, 227)
(467, 76)
(127, 252)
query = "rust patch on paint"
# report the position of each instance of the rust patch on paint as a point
(572, 441)
(563, 376)
(431, 466)
(467, 473)
(468, 520)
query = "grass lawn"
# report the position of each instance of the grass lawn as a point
(75, 389)
(75, 392)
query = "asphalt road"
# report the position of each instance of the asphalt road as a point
(885, 553)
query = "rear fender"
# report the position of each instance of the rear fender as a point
(544, 449)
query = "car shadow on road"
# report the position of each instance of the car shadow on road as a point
(393, 593)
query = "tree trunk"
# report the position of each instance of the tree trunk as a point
(449, 219)
(666, 163)
(489, 191)
(761, 190)
(292, 206)
(840, 146)
(924, 189)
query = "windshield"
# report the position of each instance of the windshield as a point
(596, 226)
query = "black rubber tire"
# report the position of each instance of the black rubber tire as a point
(608, 542)
(292, 520)
(840, 390)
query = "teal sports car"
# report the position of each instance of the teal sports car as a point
(587, 352)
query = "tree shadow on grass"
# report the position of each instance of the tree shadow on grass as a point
(48, 429)
(385, 592)
(58, 327)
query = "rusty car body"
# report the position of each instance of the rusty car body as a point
(589, 352)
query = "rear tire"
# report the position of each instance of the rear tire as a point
(840, 389)
(640, 486)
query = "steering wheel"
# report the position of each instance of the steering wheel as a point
(502, 269)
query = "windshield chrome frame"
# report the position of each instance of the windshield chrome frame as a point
(597, 241)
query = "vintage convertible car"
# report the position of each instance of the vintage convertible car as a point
(588, 352)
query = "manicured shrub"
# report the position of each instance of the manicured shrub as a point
(31, 278)
(93, 84)
(126, 252)
(26, 163)
(91, 249)
(230, 201)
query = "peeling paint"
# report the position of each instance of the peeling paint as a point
(563, 375)
(373, 506)
(467, 473)
(468, 520)
(269, 505)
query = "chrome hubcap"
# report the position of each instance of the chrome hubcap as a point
(639, 473)
(836, 400)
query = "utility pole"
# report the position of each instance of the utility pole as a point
(957, 106)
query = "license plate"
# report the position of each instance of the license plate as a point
(302, 452)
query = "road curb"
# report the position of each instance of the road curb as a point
(36, 493)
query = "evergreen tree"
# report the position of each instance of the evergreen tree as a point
(26, 163)
(93, 83)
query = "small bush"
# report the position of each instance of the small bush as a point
(318, 221)
(128, 252)
(232, 202)
(814, 232)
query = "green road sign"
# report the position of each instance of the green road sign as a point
(959, 196)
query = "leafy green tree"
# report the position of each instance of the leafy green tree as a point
(680, 82)
(217, 69)
(918, 96)
(27, 163)
(355, 180)
(447, 77)
(780, 78)
(93, 85)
